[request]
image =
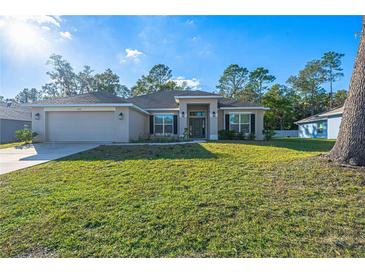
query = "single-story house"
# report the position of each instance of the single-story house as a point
(103, 117)
(13, 117)
(324, 125)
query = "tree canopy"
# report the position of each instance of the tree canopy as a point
(158, 78)
(258, 81)
(281, 114)
(233, 81)
(28, 95)
(332, 70)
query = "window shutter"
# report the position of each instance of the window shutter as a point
(227, 121)
(175, 124)
(151, 124)
(253, 123)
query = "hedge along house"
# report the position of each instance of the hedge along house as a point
(324, 125)
(102, 117)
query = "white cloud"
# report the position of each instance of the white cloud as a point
(40, 20)
(44, 19)
(193, 83)
(130, 55)
(190, 22)
(66, 35)
(46, 28)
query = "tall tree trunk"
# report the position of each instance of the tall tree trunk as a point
(331, 92)
(350, 144)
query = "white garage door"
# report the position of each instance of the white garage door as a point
(80, 126)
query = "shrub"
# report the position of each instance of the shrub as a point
(186, 134)
(239, 136)
(251, 136)
(268, 134)
(226, 134)
(160, 139)
(25, 135)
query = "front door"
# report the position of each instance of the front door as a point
(197, 127)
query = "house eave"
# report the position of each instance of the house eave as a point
(177, 98)
(311, 121)
(92, 105)
(162, 109)
(253, 108)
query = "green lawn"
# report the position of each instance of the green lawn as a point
(217, 199)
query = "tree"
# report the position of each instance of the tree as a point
(258, 79)
(157, 79)
(62, 75)
(2, 99)
(247, 94)
(339, 98)
(50, 90)
(124, 92)
(27, 96)
(141, 87)
(108, 81)
(331, 62)
(350, 145)
(86, 80)
(158, 76)
(233, 80)
(308, 84)
(281, 113)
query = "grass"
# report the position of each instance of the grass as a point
(7, 145)
(218, 199)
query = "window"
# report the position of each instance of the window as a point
(320, 128)
(239, 122)
(164, 124)
(197, 114)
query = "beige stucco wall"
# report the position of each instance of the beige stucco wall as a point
(259, 120)
(121, 127)
(39, 126)
(138, 125)
(135, 124)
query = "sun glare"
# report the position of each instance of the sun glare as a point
(23, 35)
(24, 39)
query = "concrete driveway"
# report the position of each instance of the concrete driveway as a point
(25, 156)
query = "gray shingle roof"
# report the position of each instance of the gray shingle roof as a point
(236, 103)
(158, 100)
(165, 99)
(15, 112)
(321, 116)
(88, 98)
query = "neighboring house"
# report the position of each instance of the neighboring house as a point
(102, 117)
(323, 125)
(13, 117)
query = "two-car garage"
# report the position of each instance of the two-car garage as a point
(80, 126)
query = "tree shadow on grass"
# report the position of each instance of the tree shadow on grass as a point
(122, 153)
(308, 145)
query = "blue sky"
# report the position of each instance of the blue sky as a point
(196, 48)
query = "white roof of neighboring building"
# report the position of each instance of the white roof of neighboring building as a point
(321, 116)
